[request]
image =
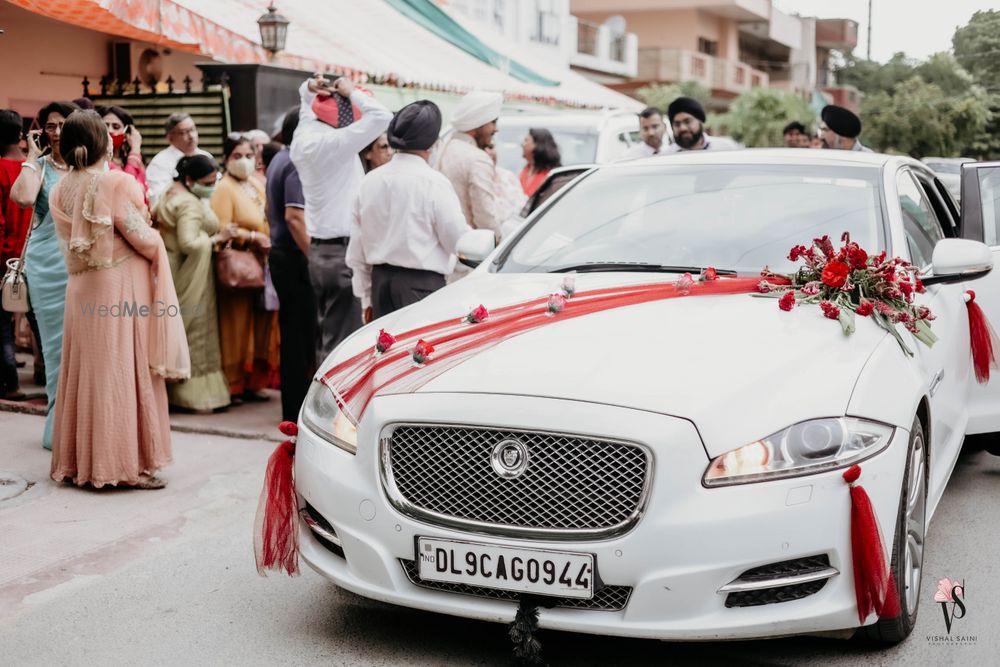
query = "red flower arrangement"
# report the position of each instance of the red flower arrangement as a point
(384, 341)
(422, 351)
(848, 280)
(477, 315)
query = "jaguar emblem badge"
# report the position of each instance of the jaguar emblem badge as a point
(509, 458)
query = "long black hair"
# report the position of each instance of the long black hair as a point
(126, 118)
(546, 153)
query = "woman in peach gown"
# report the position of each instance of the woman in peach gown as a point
(124, 335)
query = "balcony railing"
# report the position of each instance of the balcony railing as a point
(675, 65)
(586, 37)
(600, 49)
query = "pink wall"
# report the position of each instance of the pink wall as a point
(676, 29)
(45, 60)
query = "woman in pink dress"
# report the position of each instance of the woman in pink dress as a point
(124, 336)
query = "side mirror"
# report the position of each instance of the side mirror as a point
(475, 246)
(958, 260)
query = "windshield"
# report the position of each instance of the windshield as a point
(733, 217)
(946, 167)
(575, 146)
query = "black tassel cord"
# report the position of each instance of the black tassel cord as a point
(527, 648)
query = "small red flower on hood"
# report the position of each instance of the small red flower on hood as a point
(684, 283)
(825, 245)
(787, 301)
(384, 341)
(797, 252)
(422, 351)
(478, 314)
(708, 274)
(920, 286)
(865, 308)
(829, 310)
(857, 257)
(557, 302)
(835, 273)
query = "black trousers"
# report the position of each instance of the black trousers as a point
(297, 322)
(338, 311)
(395, 287)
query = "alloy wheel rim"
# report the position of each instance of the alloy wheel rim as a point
(916, 502)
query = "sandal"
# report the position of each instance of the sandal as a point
(150, 482)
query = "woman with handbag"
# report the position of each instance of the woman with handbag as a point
(247, 334)
(190, 230)
(112, 426)
(44, 264)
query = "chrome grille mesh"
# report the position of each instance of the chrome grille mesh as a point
(608, 598)
(572, 484)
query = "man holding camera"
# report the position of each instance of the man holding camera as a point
(336, 122)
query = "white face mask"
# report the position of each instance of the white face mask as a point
(242, 167)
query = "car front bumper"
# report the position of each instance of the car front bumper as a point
(690, 541)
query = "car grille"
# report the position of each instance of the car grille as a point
(772, 595)
(573, 487)
(608, 598)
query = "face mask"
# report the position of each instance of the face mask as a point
(202, 191)
(242, 168)
(116, 142)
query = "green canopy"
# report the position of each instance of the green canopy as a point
(436, 20)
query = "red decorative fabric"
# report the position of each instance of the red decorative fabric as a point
(982, 339)
(357, 380)
(276, 537)
(874, 585)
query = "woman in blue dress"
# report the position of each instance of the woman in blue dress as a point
(44, 263)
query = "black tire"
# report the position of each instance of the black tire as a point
(891, 631)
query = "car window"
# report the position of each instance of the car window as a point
(920, 225)
(989, 199)
(739, 217)
(576, 146)
(946, 167)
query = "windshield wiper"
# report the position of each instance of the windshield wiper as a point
(638, 267)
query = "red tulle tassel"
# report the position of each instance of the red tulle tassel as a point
(982, 338)
(874, 585)
(276, 535)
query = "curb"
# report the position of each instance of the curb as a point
(40, 411)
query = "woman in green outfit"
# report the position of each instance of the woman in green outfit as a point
(190, 232)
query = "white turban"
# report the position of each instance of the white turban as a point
(475, 110)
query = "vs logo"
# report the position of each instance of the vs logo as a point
(951, 592)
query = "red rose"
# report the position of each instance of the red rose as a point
(478, 314)
(865, 308)
(857, 257)
(709, 274)
(906, 288)
(384, 341)
(920, 286)
(422, 351)
(787, 301)
(835, 273)
(829, 310)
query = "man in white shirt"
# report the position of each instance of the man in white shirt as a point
(325, 153)
(651, 130)
(407, 220)
(182, 134)
(687, 118)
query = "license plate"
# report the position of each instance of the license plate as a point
(557, 573)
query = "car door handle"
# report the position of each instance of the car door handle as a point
(936, 382)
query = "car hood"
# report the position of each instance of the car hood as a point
(735, 365)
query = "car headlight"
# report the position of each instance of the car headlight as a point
(324, 417)
(805, 448)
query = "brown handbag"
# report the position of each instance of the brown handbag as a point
(238, 269)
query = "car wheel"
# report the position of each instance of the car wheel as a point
(908, 544)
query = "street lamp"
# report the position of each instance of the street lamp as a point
(273, 30)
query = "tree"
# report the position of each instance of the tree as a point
(757, 117)
(660, 95)
(977, 48)
(870, 76)
(943, 70)
(921, 119)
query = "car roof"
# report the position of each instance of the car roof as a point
(799, 156)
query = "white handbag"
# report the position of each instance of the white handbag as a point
(14, 286)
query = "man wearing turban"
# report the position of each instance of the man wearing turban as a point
(687, 118)
(465, 162)
(406, 220)
(840, 128)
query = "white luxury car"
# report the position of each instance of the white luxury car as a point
(670, 469)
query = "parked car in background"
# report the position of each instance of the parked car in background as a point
(949, 170)
(583, 137)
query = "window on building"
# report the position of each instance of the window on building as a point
(547, 23)
(708, 46)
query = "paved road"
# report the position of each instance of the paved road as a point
(167, 578)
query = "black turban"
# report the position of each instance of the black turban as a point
(686, 105)
(842, 121)
(415, 127)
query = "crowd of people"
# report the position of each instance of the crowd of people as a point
(196, 284)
